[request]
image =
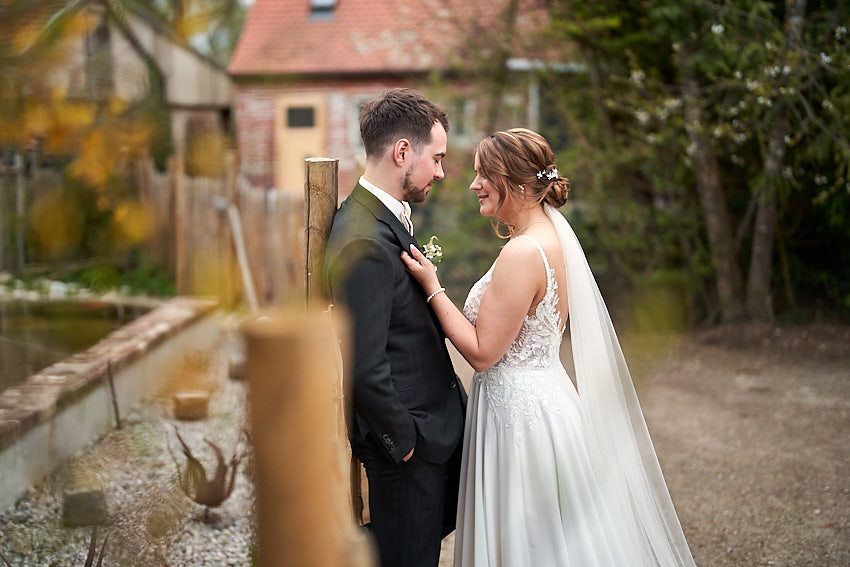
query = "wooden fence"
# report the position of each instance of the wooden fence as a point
(21, 184)
(194, 234)
(191, 229)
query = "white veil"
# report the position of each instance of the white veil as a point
(620, 448)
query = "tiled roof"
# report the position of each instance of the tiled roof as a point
(281, 37)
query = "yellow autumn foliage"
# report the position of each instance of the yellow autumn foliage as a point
(132, 221)
(93, 161)
(57, 224)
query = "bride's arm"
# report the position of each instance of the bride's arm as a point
(513, 288)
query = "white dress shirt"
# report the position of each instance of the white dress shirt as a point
(396, 207)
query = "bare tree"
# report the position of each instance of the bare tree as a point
(714, 209)
(759, 304)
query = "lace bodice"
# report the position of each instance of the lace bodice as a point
(538, 343)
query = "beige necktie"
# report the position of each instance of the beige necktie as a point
(405, 217)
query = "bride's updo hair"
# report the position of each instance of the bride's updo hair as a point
(520, 164)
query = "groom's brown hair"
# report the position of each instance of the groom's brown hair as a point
(399, 113)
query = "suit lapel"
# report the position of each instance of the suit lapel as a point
(384, 215)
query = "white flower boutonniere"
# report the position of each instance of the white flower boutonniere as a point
(433, 251)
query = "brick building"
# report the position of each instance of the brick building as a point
(302, 69)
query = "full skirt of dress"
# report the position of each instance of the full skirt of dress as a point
(528, 494)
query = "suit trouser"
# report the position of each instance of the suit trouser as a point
(412, 507)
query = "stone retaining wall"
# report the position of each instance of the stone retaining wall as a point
(54, 413)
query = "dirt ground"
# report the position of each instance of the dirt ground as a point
(752, 427)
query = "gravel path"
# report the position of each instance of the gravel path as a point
(750, 423)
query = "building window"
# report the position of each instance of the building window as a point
(300, 117)
(354, 106)
(458, 114)
(322, 9)
(462, 113)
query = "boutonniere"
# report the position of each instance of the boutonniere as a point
(433, 251)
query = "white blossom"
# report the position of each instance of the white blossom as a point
(691, 149)
(717, 29)
(765, 101)
(738, 75)
(637, 77)
(736, 160)
(672, 103)
(787, 172)
(786, 69)
(752, 85)
(820, 179)
(840, 32)
(642, 116)
(825, 59)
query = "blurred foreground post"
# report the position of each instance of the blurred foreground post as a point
(302, 510)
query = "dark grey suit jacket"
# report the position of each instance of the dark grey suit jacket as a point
(405, 391)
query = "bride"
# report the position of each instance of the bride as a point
(551, 475)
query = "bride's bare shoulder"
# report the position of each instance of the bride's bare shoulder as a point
(518, 247)
(517, 257)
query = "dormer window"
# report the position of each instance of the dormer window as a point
(322, 9)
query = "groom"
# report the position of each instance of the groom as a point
(408, 403)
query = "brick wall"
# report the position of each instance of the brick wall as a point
(254, 121)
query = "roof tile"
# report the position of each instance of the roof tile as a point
(281, 37)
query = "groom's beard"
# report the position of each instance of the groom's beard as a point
(410, 192)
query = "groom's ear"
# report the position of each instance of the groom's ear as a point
(400, 149)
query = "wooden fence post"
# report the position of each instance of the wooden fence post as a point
(177, 175)
(230, 174)
(321, 191)
(20, 213)
(320, 195)
(3, 217)
(303, 517)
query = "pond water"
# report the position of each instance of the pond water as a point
(36, 334)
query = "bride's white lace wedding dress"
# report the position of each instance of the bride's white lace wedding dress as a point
(536, 490)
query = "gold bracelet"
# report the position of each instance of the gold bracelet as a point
(430, 297)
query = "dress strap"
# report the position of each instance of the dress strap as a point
(542, 253)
